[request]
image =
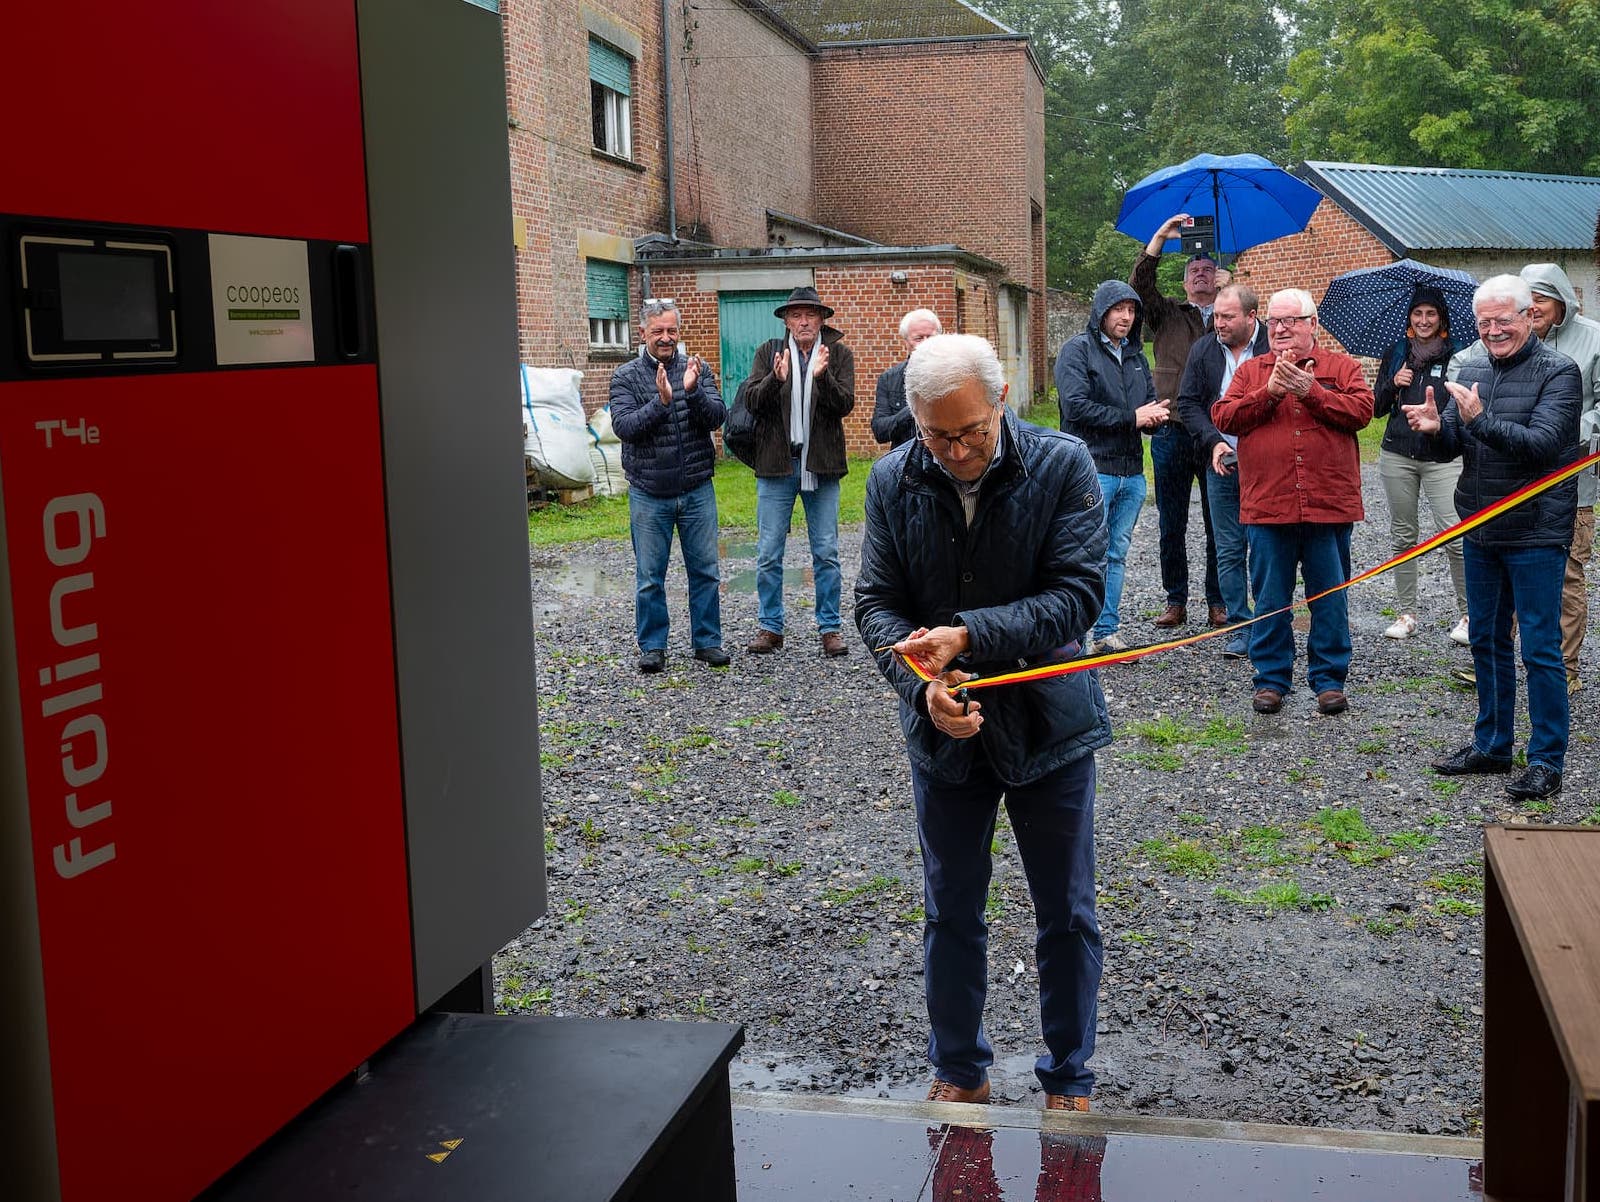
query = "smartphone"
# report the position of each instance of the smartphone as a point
(1230, 458)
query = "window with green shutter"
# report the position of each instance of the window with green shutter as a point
(607, 285)
(610, 92)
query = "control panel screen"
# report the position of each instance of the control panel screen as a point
(108, 297)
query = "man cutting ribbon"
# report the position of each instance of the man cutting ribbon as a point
(984, 549)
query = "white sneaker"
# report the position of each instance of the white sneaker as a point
(1459, 634)
(1404, 627)
(1113, 642)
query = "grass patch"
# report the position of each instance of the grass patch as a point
(1456, 882)
(1458, 906)
(734, 483)
(1264, 845)
(1412, 841)
(1372, 746)
(1447, 786)
(1181, 857)
(1281, 895)
(1158, 761)
(786, 798)
(878, 884)
(1352, 838)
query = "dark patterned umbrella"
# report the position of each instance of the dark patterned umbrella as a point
(1368, 310)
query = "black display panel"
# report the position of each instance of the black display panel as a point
(90, 296)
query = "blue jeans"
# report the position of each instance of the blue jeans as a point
(1233, 558)
(774, 508)
(1122, 496)
(1527, 582)
(1177, 467)
(1320, 551)
(650, 522)
(1053, 820)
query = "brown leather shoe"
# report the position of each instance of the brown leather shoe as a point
(1219, 615)
(1173, 615)
(1065, 1101)
(1267, 701)
(1332, 701)
(833, 645)
(944, 1091)
(764, 642)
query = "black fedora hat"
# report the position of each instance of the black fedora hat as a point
(804, 295)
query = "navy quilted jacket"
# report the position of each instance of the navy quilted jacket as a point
(666, 449)
(1528, 428)
(1027, 579)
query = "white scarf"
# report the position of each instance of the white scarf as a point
(800, 381)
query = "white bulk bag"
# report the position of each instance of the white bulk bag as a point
(605, 453)
(555, 435)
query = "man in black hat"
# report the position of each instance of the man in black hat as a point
(1174, 326)
(799, 391)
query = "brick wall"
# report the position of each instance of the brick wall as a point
(741, 95)
(923, 144)
(1331, 244)
(867, 307)
(560, 186)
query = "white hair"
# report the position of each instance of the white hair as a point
(1301, 298)
(654, 307)
(1511, 288)
(920, 315)
(945, 362)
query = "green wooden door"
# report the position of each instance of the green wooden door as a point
(746, 321)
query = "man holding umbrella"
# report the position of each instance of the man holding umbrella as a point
(1175, 326)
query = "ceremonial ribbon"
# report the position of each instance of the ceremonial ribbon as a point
(1084, 663)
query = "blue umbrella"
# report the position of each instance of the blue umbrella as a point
(1252, 200)
(1368, 310)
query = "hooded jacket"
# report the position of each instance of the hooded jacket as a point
(1026, 578)
(1575, 336)
(1098, 394)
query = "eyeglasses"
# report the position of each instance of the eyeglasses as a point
(1275, 322)
(969, 440)
(1499, 323)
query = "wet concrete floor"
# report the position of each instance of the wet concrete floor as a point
(899, 1152)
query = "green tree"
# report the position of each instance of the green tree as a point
(1503, 84)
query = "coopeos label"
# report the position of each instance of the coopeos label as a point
(260, 300)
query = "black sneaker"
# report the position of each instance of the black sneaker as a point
(1469, 761)
(653, 660)
(1539, 781)
(716, 657)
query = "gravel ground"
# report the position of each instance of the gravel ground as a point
(1291, 904)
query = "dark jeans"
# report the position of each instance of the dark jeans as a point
(1177, 466)
(1319, 551)
(1233, 557)
(1053, 821)
(1526, 582)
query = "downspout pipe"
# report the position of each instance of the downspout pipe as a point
(666, 89)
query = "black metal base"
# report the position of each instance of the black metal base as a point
(489, 1109)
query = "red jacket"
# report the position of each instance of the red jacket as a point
(1298, 458)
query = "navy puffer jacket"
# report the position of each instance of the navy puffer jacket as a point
(1528, 428)
(1098, 394)
(1027, 579)
(666, 449)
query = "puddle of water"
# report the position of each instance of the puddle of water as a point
(745, 581)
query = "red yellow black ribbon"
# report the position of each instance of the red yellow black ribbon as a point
(1465, 526)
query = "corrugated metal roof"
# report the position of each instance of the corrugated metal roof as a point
(1438, 208)
(831, 21)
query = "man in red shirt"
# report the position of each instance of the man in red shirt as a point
(1296, 412)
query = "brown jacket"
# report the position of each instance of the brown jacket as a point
(833, 395)
(1173, 326)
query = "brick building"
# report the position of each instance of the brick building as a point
(1482, 222)
(786, 148)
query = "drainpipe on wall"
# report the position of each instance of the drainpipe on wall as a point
(666, 89)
